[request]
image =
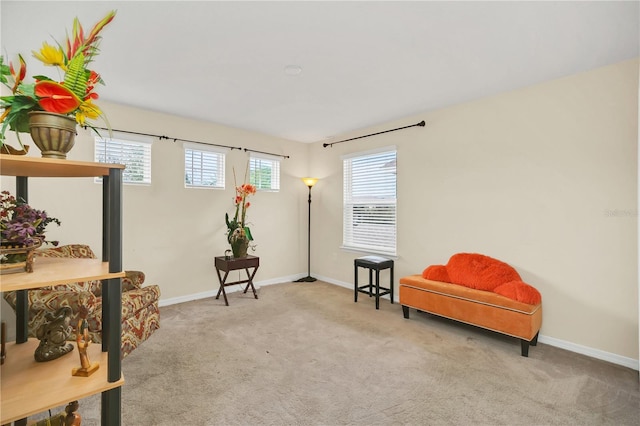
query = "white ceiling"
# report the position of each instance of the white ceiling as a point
(363, 63)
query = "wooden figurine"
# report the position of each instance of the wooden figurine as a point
(83, 341)
(72, 418)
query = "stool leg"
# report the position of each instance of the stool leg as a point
(370, 282)
(391, 285)
(355, 284)
(377, 288)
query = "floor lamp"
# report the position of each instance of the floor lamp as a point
(308, 279)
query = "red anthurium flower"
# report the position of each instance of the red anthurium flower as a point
(54, 97)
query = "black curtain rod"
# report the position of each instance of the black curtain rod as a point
(268, 153)
(421, 124)
(167, 137)
(190, 141)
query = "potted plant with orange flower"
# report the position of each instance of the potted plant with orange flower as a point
(238, 233)
(32, 107)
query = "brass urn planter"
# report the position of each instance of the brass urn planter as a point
(54, 134)
(239, 247)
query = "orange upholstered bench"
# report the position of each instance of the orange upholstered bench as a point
(477, 290)
(476, 307)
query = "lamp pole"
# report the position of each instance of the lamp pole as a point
(308, 279)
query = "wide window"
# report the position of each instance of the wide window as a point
(203, 166)
(369, 217)
(264, 172)
(134, 154)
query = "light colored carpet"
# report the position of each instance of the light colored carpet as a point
(306, 354)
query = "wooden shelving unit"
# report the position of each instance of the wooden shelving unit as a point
(50, 271)
(29, 387)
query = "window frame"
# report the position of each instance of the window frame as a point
(274, 162)
(125, 139)
(370, 239)
(205, 149)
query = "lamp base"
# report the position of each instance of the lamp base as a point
(307, 279)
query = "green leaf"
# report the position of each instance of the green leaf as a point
(17, 119)
(28, 90)
(42, 78)
(77, 76)
(247, 232)
(5, 71)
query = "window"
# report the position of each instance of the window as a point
(369, 217)
(135, 155)
(203, 166)
(264, 172)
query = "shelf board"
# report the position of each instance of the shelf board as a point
(48, 271)
(29, 387)
(19, 165)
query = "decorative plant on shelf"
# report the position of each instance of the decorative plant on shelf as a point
(21, 226)
(73, 96)
(238, 233)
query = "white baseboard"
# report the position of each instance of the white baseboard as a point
(230, 289)
(552, 341)
(591, 352)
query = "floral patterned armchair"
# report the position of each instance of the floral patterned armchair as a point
(140, 311)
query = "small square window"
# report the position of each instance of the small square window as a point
(264, 172)
(135, 155)
(203, 167)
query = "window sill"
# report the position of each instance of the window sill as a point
(366, 252)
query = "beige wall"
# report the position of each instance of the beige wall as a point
(544, 178)
(170, 232)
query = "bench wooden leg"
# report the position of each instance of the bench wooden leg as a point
(534, 341)
(405, 311)
(524, 344)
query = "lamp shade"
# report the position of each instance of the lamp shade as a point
(309, 181)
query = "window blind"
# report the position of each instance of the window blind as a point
(264, 172)
(369, 216)
(135, 155)
(204, 167)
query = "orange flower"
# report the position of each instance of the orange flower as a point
(247, 189)
(20, 75)
(237, 224)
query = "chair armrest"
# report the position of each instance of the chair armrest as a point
(132, 280)
(134, 301)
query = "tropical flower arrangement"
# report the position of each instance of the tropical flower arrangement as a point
(21, 224)
(237, 229)
(73, 96)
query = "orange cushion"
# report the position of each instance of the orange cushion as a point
(522, 292)
(479, 271)
(436, 273)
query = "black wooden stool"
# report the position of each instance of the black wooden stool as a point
(373, 263)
